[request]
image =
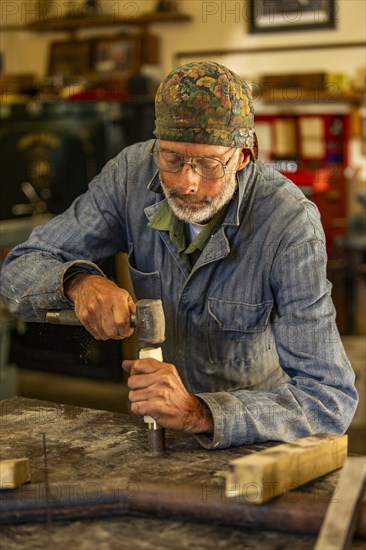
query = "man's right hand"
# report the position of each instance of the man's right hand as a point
(103, 307)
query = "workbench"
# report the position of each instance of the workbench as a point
(87, 449)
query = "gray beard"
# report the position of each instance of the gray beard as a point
(209, 206)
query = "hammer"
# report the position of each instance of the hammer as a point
(149, 321)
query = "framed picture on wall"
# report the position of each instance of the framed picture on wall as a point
(70, 58)
(284, 15)
(116, 55)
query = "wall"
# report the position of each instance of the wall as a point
(223, 25)
(216, 24)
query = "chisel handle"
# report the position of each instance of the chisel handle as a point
(156, 433)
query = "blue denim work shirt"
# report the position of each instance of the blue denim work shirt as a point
(251, 328)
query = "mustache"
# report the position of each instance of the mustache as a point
(188, 199)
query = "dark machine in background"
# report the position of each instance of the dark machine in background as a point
(49, 152)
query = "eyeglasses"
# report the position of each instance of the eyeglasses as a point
(206, 167)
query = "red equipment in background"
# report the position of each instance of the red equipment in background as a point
(312, 150)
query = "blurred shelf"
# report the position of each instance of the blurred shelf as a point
(74, 24)
(297, 95)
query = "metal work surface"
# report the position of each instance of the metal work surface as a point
(89, 448)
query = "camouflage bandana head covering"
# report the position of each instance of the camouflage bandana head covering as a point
(206, 103)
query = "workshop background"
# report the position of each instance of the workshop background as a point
(77, 84)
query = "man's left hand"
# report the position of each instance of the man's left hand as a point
(157, 390)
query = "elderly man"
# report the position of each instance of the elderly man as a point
(235, 252)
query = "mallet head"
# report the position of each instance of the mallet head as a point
(149, 321)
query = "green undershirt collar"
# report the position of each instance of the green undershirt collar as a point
(189, 252)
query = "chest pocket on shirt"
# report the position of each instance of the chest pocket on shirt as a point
(145, 285)
(236, 330)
